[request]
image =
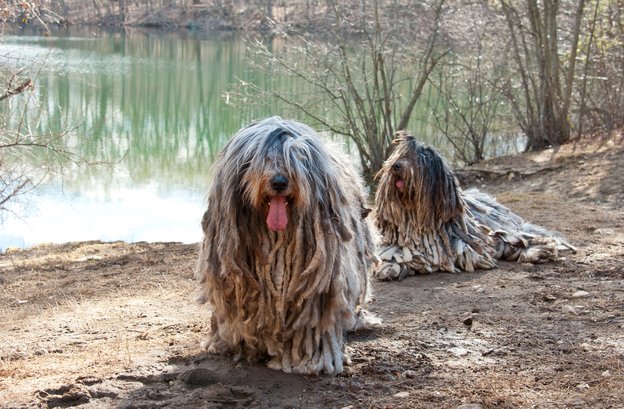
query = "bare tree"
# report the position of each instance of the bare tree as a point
(26, 158)
(364, 80)
(466, 101)
(546, 63)
(467, 105)
(601, 100)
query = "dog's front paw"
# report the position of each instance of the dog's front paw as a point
(387, 271)
(276, 363)
(214, 345)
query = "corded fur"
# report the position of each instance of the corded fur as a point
(428, 223)
(285, 286)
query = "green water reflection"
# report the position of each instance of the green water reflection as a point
(153, 105)
(155, 100)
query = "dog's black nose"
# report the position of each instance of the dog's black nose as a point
(279, 183)
(396, 166)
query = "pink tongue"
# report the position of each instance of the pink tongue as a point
(399, 184)
(277, 218)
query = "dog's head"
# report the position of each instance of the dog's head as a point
(416, 178)
(277, 169)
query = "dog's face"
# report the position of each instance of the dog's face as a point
(403, 174)
(275, 172)
(417, 178)
(276, 193)
(273, 185)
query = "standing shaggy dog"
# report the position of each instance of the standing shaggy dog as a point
(287, 253)
(428, 223)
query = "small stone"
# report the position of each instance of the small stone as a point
(458, 351)
(605, 231)
(199, 377)
(409, 374)
(347, 407)
(98, 392)
(582, 386)
(568, 309)
(549, 298)
(606, 374)
(470, 406)
(89, 380)
(401, 395)
(580, 294)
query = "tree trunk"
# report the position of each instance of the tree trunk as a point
(122, 11)
(269, 8)
(548, 101)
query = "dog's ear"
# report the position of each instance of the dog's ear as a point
(440, 185)
(204, 221)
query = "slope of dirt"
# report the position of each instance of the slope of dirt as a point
(96, 325)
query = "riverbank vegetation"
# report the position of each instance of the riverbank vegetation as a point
(551, 70)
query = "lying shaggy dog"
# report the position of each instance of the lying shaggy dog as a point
(428, 223)
(287, 252)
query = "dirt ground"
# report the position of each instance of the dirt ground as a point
(98, 325)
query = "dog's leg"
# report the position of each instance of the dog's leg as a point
(332, 356)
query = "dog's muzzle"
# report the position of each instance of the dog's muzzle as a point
(396, 171)
(277, 218)
(279, 183)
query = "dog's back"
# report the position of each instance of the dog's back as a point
(514, 238)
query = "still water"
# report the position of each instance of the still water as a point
(152, 108)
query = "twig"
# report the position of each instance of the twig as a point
(18, 90)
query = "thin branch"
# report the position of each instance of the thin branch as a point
(27, 84)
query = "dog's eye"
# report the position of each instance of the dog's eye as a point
(396, 166)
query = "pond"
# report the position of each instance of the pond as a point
(151, 108)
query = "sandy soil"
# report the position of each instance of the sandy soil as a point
(113, 324)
